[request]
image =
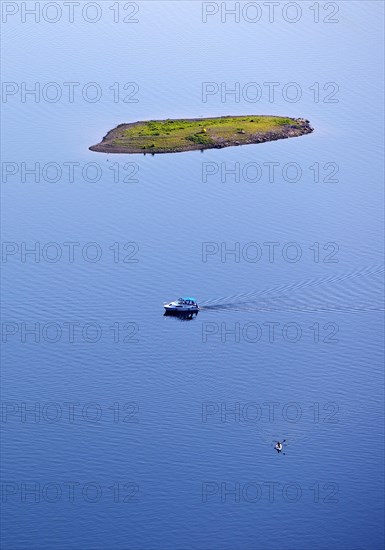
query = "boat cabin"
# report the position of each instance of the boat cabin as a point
(187, 301)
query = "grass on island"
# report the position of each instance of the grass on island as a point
(174, 134)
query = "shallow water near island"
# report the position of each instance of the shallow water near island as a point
(172, 420)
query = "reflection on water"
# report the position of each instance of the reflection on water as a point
(181, 315)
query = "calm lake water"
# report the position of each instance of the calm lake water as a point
(127, 429)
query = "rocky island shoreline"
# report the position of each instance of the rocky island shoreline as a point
(179, 135)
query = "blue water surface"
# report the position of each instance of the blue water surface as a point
(123, 428)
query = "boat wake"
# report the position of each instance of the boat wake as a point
(343, 293)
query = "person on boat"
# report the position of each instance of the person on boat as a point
(278, 447)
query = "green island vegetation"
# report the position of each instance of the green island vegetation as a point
(173, 136)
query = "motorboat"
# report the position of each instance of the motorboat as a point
(182, 305)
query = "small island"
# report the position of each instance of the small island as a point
(178, 135)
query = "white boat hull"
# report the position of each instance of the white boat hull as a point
(182, 305)
(181, 309)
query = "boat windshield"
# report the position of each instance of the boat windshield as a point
(186, 301)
